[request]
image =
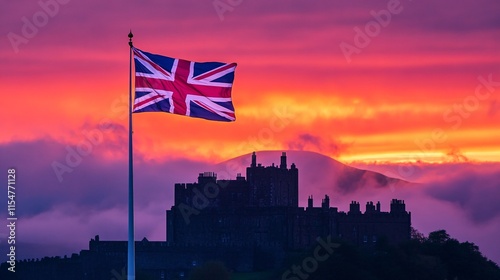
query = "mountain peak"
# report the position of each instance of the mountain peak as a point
(320, 175)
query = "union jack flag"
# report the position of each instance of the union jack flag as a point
(177, 86)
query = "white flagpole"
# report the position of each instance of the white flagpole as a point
(131, 245)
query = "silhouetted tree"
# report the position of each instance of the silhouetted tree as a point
(439, 236)
(437, 257)
(417, 235)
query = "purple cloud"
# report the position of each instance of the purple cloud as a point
(476, 193)
(90, 200)
(310, 142)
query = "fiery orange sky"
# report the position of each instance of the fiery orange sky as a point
(423, 87)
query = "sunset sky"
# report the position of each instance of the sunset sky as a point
(375, 84)
(417, 74)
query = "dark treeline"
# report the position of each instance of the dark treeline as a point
(437, 256)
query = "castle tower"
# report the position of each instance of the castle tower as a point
(370, 207)
(273, 185)
(206, 178)
(398, 206)
(325, 204)
(354, 208)
(310, 202)
(283, 161)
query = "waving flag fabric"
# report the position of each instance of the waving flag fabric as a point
(177, 86)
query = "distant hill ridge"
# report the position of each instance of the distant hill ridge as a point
(318, 174)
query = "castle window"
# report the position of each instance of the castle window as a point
(374, 238)
(365, 238)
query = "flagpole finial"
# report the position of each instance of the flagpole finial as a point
(130, 36)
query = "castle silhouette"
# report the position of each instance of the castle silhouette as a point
(250, 223)
(262, 210)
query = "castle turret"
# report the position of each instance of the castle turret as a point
(310, 202)
(398, 206)
(325, 204)
(378, 206)
(354, 208)
(207, 177)
(283, 161)
(273, 186)
(370, 207)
